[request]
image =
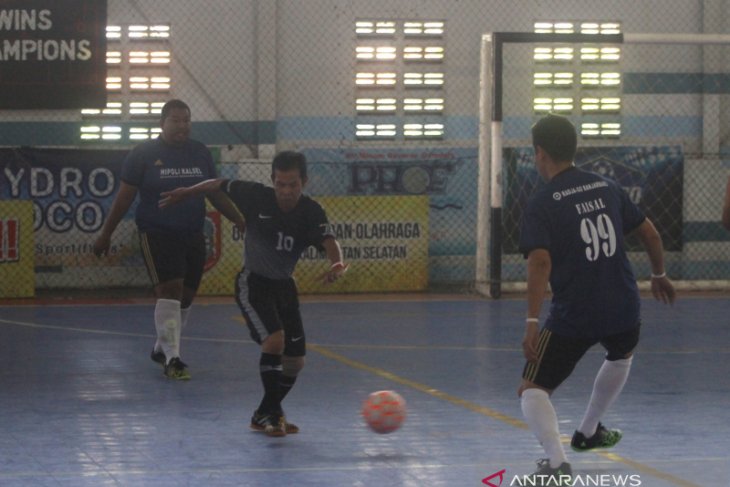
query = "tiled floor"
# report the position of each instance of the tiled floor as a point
(81, 403)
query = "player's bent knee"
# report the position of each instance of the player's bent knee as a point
(526, 384)
(291, 366)
(274, 343)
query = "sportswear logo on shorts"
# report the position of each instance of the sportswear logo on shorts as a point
(296, 339)
(264, 217)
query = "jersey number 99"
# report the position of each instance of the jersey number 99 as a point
(599, 237)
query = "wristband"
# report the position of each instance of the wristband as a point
(532, 320)
(659, 276)
(337, 264)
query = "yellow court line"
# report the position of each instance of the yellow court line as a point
(644, 469)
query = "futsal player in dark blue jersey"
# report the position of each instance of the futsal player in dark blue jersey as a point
(171, 239)
(572, 234)
(281, 222)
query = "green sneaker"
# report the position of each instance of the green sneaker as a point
(545, 475)
(176, 369)
(603, 438)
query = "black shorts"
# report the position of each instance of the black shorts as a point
(171, 256)
(559, 354)
(270, 305)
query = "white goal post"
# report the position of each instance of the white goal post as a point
(489, 279)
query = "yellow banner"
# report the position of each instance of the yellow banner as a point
(17, 260)
(384, 239)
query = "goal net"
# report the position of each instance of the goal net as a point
(651, 112)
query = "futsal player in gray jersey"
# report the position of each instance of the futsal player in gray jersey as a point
(281, 222)
(572, 233)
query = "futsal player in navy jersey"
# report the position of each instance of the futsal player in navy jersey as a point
(171, 239)
(281, 222)
(572, 234)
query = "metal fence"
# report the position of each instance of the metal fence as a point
(382, 97)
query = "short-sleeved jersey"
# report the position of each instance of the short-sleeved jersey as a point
(156, 166)
(275, 239)
(581, 218)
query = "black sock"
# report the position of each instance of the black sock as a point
(270, 370)
(285, 384)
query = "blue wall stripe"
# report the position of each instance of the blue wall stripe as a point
(681, 83)
(67, 133)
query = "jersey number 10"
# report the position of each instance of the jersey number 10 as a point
(285, 242)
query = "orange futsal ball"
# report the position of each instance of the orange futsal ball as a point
(384, 411)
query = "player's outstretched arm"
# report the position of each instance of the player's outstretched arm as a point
(661, 287)
(223, 203)
(208, 186)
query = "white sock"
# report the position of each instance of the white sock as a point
(543, 422)
(184, 315)
(609, 382)
(167, 324)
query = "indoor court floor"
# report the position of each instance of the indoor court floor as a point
(82, 404)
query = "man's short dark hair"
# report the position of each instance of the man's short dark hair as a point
(557, 136)
(173, 105)
(288, 160)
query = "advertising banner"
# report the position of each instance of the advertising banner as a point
(652, 177)
(52, 54)
(384, 240)
(17, 276)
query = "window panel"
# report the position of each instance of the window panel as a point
(423, 130)
(600, 80)
(553, 80)
(432, 105)
(558, 105)
(372, 130)
(376, 105)
(554, 27)
(576, 70)
(139, 109)
(114, 57)
(423, 54)
(375, 53)
(597, 54)
(113, 109)
(600, 129)
(400, 44)
(376, 80)
(605, 105)
(137, 58)
(144, 133)
(113, 32)
(423, 29)
(554, 54)
(378, 28)
(149, 32)
(423, 80)
(138, 63)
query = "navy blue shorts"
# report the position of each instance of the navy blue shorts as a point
(559, 354)
(171, 256)
(270, 305)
